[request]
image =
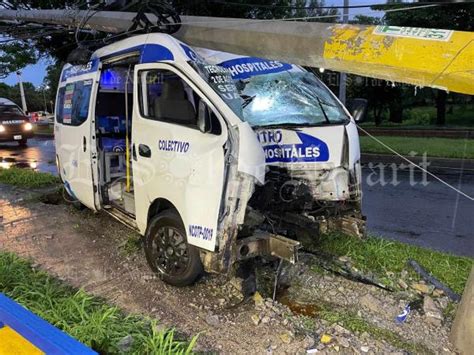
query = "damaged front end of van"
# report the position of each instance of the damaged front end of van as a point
(293, 172)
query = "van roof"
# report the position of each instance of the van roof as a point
(153, 47)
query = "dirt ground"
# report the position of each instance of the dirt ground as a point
(94, 252)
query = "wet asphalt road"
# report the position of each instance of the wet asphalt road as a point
(429, 215)
(39, 154)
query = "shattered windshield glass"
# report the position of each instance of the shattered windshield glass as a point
(289, 98)
(284, 98)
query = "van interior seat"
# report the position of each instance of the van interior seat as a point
(173, 104)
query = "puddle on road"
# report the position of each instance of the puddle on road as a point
(9, 162)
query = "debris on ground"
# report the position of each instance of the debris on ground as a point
(432, 280)
(316, 310)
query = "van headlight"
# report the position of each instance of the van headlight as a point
(2, 129)
(28, 126)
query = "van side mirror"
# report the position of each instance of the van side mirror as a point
(204, 118)
(358, 108)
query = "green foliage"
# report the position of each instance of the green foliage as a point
(51, 80)
(246, 9)
(379, 256)
(433, 147)
(15, 56)
(84, 317)
(27, 178)
(451, 16)
(131, 245)
(365, 20)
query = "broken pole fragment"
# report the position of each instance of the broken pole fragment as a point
(462, 331)
(436, 58)
(432, 280)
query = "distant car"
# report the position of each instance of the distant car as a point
(14, 124)
(41, 118)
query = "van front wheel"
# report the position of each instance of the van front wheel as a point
(168, 252)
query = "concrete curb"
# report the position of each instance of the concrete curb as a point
(441, 165)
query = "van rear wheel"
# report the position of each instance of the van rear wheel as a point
(168, 252)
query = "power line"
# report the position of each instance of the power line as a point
(416, 165)
(232, 21)
(290, 7)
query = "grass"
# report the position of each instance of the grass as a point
(457, 116)
(131, 245)
(27, 178)
(434, 147)
(44, 130)
(380, 256)
(84, 317)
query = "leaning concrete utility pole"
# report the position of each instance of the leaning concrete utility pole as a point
(462, 331)
(436, 58)
(22, 92)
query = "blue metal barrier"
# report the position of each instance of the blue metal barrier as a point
(22, 332)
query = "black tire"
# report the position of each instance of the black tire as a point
(23, 142)
(177, 263)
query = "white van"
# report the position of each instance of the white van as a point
(213, 157)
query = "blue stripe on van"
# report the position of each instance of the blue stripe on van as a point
(246, 67)
(149, 53)
(76, 70)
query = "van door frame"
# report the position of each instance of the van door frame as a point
(204, 94)
(88, 72)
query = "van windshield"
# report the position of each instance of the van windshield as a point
(10, 109)
(275, 99)
(289, 98)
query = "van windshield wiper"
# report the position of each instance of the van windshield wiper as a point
(322, 109)
(247, 100)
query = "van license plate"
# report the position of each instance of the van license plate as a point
(17, 138)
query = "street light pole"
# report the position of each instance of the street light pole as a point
(44, 99)
(343, 76)
(22, 92)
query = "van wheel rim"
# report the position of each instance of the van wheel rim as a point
(171, 251)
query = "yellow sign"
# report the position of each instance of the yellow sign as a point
(423, 57)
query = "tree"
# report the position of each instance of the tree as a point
(15, 56)
(255, 9)
(34, 95)
(451, 16)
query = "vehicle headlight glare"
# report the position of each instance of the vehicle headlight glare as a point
(2, 129)
(28, 126)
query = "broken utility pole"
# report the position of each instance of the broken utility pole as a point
(441, 59)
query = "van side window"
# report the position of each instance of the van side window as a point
(164, 96)
(73, 106)
(60, 105)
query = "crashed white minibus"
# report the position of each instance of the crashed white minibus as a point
(214, 158)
